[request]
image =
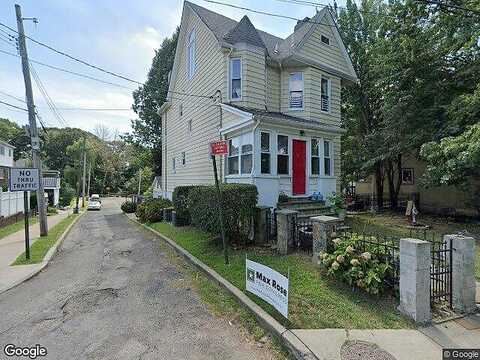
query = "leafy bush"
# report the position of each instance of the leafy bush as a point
(129, 207)
(283, 198)
(180, 203)
(360, 269)
(67, 193)
(239, 202)
(152, 210)
(51, 210)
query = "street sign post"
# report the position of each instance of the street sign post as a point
(24, 179)
(219, 148)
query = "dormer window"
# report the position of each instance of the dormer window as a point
(236, 79)
(191, 54)
(325, 95)
(296, 90)
(325, 40)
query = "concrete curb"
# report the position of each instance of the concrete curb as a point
(48, 256)
(289, 339)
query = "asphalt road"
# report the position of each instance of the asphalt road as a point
(112, 293)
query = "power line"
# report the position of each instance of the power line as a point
(193, 95)
(12, 96)
(95, 109)
(68, 71)
(73, 57)
(13, 106)
(451, 6)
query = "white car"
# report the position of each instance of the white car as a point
(95, 197)
(94, 205)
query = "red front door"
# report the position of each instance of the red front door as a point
(299, 167)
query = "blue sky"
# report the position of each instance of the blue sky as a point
(120, 36)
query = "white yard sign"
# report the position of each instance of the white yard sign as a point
(22, 179)
(268, 284)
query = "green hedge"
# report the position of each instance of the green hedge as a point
(129, 207)
(180, 203)
(239, 202)
(152, 210)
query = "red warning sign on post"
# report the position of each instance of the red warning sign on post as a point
(219, 148)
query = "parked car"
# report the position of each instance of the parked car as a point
(95, 197)
(94, 205)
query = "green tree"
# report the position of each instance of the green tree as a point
(148, 98)
(13, 134)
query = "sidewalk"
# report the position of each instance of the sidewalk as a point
(13, 245)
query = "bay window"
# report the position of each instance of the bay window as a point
(236, 79)
(265, 153)
(296, 90)
(240, 155)
(325, 95)
(282, 155)
(327, 161)
(315, 158)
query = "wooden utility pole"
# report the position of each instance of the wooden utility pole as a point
(89, 173)
(34, 139)
(139, 182)
(84, 171)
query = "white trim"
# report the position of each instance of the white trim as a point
(230, 60)
(236, 126)
(270, 151)
(303, 91)
(244, 114)
(329, 89)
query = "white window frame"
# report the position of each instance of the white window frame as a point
(330, 157)
(9, 152)
(184, 159)
(2, 150)
(191, 54)
(290, 91)
(315, 156)
(230, 79)
(329, 90)
(269, 152)
(287, 154)
(243, 139)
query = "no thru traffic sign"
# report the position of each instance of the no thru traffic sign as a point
(22, 179)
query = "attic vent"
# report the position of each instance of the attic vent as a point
(325, 40)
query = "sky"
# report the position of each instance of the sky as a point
(120, 36)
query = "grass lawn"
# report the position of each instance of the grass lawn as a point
(13, 228)
(40, 247)
(316, 301)
(390, 223)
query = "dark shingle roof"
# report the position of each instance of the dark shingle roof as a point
(245, 32)
(221, 26)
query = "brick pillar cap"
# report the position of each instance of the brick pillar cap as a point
(287, 212)
(326, 219)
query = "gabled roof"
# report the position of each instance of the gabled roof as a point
(244, 32)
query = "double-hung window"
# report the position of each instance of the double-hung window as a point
(2, 150)
(191, 54)
(296, 90)
(240, 155)
(265, 152)
(315, 157)
(282, 155)
(236, 79)
(327, 159)
(325, 95)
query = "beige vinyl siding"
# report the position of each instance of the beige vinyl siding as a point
(253, 76)
(273, 89)
(334, 115)
(329, 55)
(285, 92)
(208, 78)
(228, 118)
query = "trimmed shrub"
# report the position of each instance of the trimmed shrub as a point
(67, 193)
(152, 210)
(129, 207)
(180, 203)
(239, 202)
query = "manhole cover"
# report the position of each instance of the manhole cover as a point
(362, 350)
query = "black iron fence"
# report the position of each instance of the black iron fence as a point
(361, 202)
(271, 225)
(441, 273)
(303, 234)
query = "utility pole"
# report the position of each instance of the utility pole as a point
(34, 139)
(84, 171)
(139, 182)
(89, 173)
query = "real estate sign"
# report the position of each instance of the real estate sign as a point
(267, 284)
(23, 179)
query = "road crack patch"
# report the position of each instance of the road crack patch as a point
(87, 301)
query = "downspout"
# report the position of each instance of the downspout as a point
(254, 172)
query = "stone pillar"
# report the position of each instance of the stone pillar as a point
(174, 218)
(415, 261)
(285, 230)
(463, 272)
(165, 214)
(323, 228)
(261, 224)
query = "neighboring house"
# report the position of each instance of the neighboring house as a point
(11, 203)
(157, 187)
(6, 161)
(276, 101)
(51, 186)
(444, 200)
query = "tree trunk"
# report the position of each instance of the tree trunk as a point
(379, 179)
(394, 167)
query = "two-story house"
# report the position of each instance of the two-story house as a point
(276, 101)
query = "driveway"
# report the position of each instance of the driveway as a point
(112, 293)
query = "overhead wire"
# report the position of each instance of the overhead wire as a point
(13, 106)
